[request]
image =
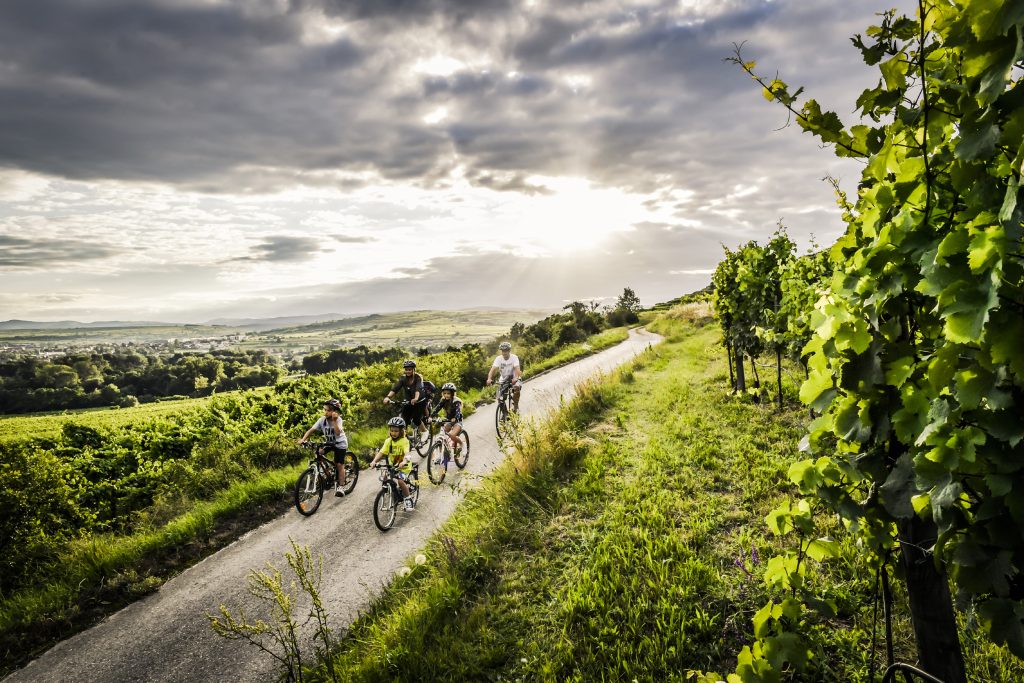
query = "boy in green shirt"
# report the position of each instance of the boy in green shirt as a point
(396, 448)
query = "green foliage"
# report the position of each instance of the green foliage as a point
(916, 362)
(346, 359)
(80, 380)
(747, 294)
(279, 634)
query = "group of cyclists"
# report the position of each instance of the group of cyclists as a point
(417, 407)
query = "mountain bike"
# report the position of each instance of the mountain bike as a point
(503, 415)
(389, 498)
(444, 449)
(418, 443)
(321, 475)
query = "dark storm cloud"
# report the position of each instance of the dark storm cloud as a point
(41, 253)
(455, 11)
(282, 248)
(236, 97)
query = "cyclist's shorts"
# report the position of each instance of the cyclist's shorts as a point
(503, 387)
(453, 423)
(335, 452)
(415, 413)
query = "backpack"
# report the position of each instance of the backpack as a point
(428, 389)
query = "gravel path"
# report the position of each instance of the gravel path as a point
(166, 636)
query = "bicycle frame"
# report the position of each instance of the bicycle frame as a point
(325, 468)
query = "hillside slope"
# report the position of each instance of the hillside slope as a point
(628, 543)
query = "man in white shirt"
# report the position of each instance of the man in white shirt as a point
(509, 374)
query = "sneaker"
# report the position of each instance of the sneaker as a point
(339, 492)
(437, 460)
(409, 505)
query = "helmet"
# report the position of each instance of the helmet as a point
(504, 346)
(409, 364)
(333, 403)
(396, 422)
(448, 386)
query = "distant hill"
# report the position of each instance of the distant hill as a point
(285, 337)
(276, 323)
(75, 325)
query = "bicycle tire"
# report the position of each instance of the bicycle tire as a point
(351, 466)
(501, 420)
(385, 507)
(414, 487)
(418, 442)
(462, 456)
(436, 471)
(309, 491)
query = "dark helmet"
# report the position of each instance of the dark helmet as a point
(448, 386)
(409, 364)
(333, 403)
(396, 422)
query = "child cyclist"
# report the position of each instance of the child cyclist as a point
(396, 447)
(452, 407)
(334, 435)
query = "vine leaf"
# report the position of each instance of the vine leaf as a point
(899, 488)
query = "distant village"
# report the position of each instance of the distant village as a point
(52, 349)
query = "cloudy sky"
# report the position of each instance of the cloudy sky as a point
(181, 160)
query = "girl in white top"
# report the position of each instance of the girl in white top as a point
(334, 436)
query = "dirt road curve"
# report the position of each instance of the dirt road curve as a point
(166, 637)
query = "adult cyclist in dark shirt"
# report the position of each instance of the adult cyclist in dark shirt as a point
(410, 386)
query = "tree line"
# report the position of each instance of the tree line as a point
(126, 378)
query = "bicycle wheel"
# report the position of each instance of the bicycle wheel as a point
(501, 420)
(462, 455)
(414, 487)
(350, 465)
(436, 471)
(384, 508)
(418, 442)
(309, 491)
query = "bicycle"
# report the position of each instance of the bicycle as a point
(443, 449)
(503, 420)
(321, 475)
(415, 441)
(389, 498)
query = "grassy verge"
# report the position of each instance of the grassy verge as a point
(103, 573)
(624, 541)
(593, 344)
(50, 424)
